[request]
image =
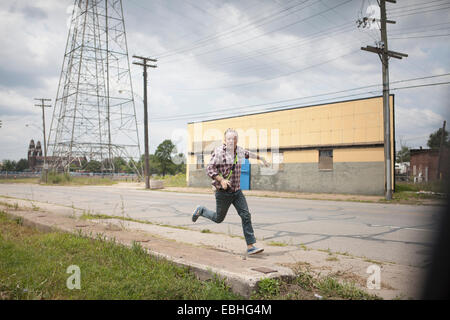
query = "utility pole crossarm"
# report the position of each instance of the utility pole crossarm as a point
(145, 65)
(372, 49)
(144, 58)
(392, 54)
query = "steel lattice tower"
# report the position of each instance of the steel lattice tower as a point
(95, 115)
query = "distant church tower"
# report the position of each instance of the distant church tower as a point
(31, 158)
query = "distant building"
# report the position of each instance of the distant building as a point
(402, 168)
(36, 158)
(424, 164)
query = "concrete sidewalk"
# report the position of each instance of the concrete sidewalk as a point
(207, 253)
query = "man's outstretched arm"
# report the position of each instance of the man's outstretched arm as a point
(257, 157)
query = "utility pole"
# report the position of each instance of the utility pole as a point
(385, 54)
(145, 65)
(441, 151)
(43, 106)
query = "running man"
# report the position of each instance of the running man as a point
(225, 170)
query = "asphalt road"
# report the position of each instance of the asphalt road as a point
(384, 232)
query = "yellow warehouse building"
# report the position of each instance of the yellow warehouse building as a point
(329, 148)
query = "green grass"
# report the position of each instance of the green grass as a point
(434, 186)
(66, 179)
(20, 180)
(178, 180)
(406, 192)
(33, 265)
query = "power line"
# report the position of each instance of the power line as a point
(250, 24)
(418, 12)
(187, 116)
(207, 39)
(287, 107)
(315, 54)
(420, 31)
(246, 84)
(401, 9)
(324, 94)
(419, 37)
(423, 85)
(300, 43)
(253, 26)
(293, 44)
(268, 32)
(420, 27)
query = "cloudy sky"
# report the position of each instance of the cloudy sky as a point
(220, 58)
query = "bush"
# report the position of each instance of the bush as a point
(57, 178)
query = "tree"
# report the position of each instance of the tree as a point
(120, 165)
(163, 154)
(180, 162)
(21, 165)
(403, 155)
(94, 166)
(9, 165)
(434, 141)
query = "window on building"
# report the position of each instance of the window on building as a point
(200, 161)
(325, 159)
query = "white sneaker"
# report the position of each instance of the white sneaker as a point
(254, 250)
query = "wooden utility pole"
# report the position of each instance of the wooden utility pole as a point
(385, 54)
(441, 145)
(144, 64)
(43, 106)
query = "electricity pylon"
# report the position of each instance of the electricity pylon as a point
(95, 116)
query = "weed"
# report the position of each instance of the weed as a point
(268, 288)
(332, 259)
(277, 244)
(303, 247)
(330, 286)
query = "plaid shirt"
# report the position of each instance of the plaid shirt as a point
(222, 162)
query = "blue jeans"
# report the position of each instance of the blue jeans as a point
(223, 201)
